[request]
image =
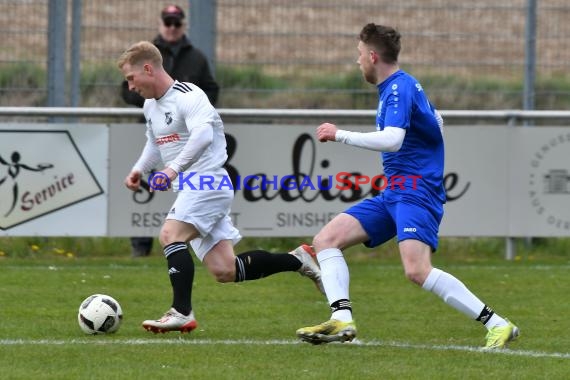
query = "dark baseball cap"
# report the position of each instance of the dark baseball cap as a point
(172, 12)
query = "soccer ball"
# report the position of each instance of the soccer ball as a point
(99, 314)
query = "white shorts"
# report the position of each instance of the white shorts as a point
(223, 230)
(209, 212)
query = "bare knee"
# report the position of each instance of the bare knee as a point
(418, 277)
(223, 273)
(417, 273)
(169, 236)
(416, 257)
(323, 240)
(221, 262)
(174, 231)
(341, 232)
(165, 238)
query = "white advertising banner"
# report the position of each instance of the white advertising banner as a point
(53, 179)
(476, 180)
(540, 182)
(65, 179)
(289, 184)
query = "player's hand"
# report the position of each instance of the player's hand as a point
(326, 132)
(163, 182)
(133, 180)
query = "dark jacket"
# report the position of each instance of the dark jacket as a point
(184, 63)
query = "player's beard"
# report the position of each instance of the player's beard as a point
(369, 76)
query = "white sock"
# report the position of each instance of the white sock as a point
(455, 293)
(495, 321)
(336, 279)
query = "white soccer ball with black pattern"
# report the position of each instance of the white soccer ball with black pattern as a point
(100, 314)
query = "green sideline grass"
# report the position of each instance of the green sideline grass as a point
(246, 331)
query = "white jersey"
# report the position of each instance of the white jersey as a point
(185, 131)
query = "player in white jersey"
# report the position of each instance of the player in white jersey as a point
(409, 135)
(186, 134)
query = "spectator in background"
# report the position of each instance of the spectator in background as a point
(181, 61)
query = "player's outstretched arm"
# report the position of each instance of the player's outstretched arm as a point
(390, 139)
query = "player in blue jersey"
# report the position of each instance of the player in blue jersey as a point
(409, 133)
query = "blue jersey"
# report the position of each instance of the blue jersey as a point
(415, 172)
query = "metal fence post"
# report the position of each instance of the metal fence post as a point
(529, 69)
(530, 58)
(57, 14)
(76, 52)
(203, 27)
(510, 247)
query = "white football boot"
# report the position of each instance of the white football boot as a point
(309, 266)
(172, 320)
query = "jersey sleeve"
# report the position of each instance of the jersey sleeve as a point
(150, 157)
(389, 139)
(198, 115)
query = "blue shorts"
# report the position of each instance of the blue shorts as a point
(382, 220)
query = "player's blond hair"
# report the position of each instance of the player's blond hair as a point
(140, 52)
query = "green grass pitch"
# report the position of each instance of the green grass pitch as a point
(247, 330)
